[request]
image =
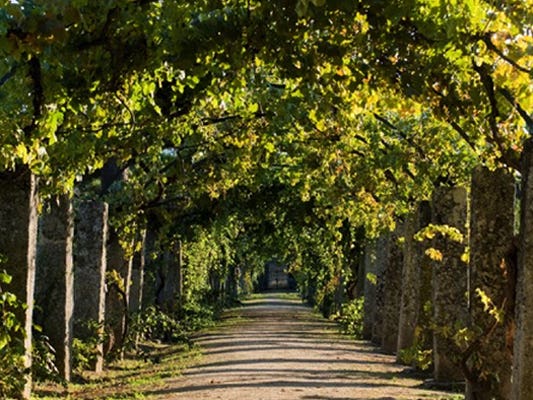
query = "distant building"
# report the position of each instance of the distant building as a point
(277, 276)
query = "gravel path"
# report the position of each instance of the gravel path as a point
(279, 350)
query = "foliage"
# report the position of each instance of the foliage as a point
(198, 316)
(85, 351)
(489, 307)
(12, 370)
(250, 141)
(153, 324)
(417, 356)
(350, 318)
(43, 366)
(430, 231)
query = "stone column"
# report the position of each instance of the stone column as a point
(137, 276)
(369, 307)
(416, 279)
(89, 272)
(18, 242)
(491, 236)
(117, 296)
(54, 292)
(392, 291)
(170, 281)
(382, 259)
(523, 345)
(450, 278)
(409, 278)
(152, 258)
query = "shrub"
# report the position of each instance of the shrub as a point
(417, 356)
(85, 351)
(43, 365)
(153, 324)
(197, 316)
(12, 371)
(350, 317)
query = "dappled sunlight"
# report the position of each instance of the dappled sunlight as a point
(281, 349)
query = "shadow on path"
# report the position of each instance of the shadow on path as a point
(278, 349)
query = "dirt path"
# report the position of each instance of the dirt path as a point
(280, 350)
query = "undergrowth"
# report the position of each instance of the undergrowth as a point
(350, 318)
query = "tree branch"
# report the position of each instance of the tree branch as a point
(525, 116)
(488, 85)
(402, 134)
(486, 39)
(160, 203)
(34, 72)
(218, 120)
(461, 133)
(8, 75)
(508, 156)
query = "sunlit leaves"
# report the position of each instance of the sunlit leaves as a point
(356, 109)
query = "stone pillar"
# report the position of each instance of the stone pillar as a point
(18, 242)
(382, 258)
(392, 291)
(89, 272)
(117, 296)
(523, 344)
(491, 236)
(152, 258)
(416, 280)
(369, 306)
(137, 276)
(450, 278)
(408, 303)
(54, 292)
(170, 278)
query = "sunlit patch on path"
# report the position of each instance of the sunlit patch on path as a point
(278, 349)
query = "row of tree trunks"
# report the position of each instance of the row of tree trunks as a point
(58, 262)
(461, 294)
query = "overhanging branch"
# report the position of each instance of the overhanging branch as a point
(525, 116)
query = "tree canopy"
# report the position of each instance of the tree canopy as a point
(269, 125)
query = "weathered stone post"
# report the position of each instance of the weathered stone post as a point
(152, 258)
(369, 307)
(119, 265)
(89, 272)
(450, 278)
(54, 291)
(382, 259)
(18, 241)
(416, 279)
(392, 291)
(409, 279)
(491, 236)
(169, 297)
(137, 276)
(523, 344)
(232, 282)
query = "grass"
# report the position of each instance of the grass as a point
(279, 295)
(130, 378)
